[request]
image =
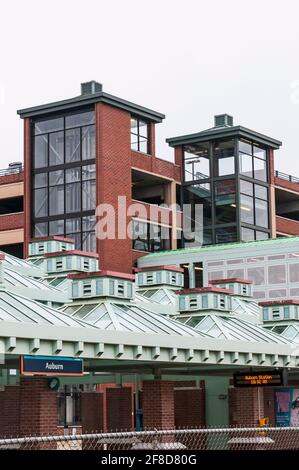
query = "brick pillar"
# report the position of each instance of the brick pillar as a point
(119, 402)
(9, 411)
(189, 405)
(246, 406)
(92, 412)
(158, 404)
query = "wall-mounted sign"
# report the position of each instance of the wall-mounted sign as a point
(43, 365)
(268, 378)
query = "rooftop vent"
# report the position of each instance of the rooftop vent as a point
(88, 88)
(223, 120)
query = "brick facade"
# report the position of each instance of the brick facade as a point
(189, 406)
(119, 402)
(287, 226)
(158, 404)
(12, 221)
(92, 412)
(246, 406)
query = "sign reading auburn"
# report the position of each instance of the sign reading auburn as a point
(52, 366)
(261, 378)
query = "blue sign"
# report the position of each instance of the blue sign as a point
(44, 365)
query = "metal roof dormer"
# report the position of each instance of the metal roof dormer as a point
(102, 284)
(240, 287)
(62, 263)
(205, 299)
(38, 247)
(281, 312)
(170, 276)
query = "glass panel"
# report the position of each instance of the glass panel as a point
(257, 275)
(261, 213)
(73, 197)
(197, 162)
(80, 119)
(259, 152)
(41, 202)
(56, 149)
(143, 145)
(294, 272)
(73, 225)
(89, 241)
(56, 177)
(140, 238)
(246, 187)
(246, 207)
(72, 145)
(261, 235)
(143, 129)
(134, 126)
(207, 237)
(41, 229)
(225, 201)
(88, 195)
(73, 174)
(49, 125)
(277, 274)
(88, 142)
(56, 200)
(77, 239)
(226, 235)
(245, 147)
(232, 273)
(88, 223)
(40, 180)
(56, 227)
(261, 192)
(41, 151)
(247, 234)
(199, 194)
(246, 165)
(88, 172)
(260, 169)
(224, 152)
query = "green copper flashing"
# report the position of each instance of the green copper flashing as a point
(224, 132)
(84, 100)
(224, 246)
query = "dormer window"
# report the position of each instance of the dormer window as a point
(140, 141)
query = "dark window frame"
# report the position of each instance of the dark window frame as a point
(141, 137)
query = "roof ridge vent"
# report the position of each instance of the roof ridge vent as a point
(90, 88)
(223, 120)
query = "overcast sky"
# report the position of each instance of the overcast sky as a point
(188, 59)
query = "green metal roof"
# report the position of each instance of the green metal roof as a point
(224, 246)
(83, 100)
(224, 132)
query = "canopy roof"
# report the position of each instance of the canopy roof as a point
(161, 295)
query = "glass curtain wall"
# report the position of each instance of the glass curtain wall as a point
(64, 178)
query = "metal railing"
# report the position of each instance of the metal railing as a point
(12, 170)
(233, 438)
(284, 176)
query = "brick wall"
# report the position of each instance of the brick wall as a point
(158, 404)
(14, 178)
(189, 406)
(246, 406)
(92, 412)
(119, 402)
(287, 226)
(9, 406)
(285, 184)
(12, 221)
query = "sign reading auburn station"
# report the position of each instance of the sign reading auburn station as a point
(272, 378)
(52, 366)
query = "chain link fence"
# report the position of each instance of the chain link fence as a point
(268, 438)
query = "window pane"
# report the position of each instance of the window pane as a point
(134, 126)
(88, 142)
(245, 147)
(73, 174)
(261, 213)
(207, 237)
(56, 200)
(277, 274)
(56, 177)
(143, 129)
(73, 225)
(247, 234)
(261, 192)
(41, 202)
(246, 165)
(40, 180)
(246, 206)
(88, 172)
(261, 235)
(41, 229)
(246, 187)
(49, 125)
(143, 145)
(197, 162)
(73, 197)
(56, 149)
(89, 241)
(41, 151)
(257, 275)
(56, 227)
(294, 272)
(88, 223)
(72, 145)
(88, 195)
(226, 235)
(77, 239)
(224, 153)
(260, 169)
(259, 152)
(225, 201)
(80, 119)
(199, 194)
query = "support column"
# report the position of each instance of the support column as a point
(158, 404)
(92, 412)
(246, 406)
